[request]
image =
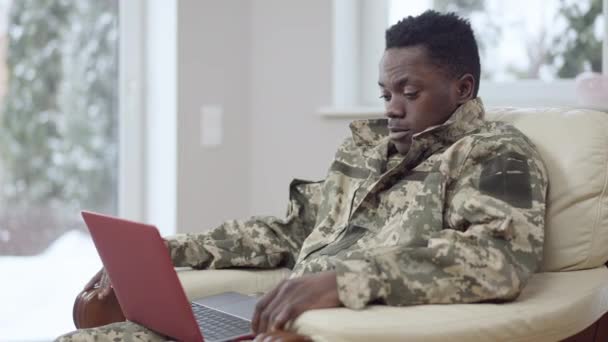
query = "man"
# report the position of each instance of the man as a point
(431, 205)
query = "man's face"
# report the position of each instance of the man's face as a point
(417, 93)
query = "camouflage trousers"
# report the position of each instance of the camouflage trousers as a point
(115, 332)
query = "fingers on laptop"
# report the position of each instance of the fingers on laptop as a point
(93, 282)
(258, 323)
(105, 286)
(276, 309)
(100, 281)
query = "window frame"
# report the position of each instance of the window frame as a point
(357, 26)
(148, 112)
(131, 110)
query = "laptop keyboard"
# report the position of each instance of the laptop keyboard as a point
(217, 325)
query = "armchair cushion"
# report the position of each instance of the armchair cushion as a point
(574, 146)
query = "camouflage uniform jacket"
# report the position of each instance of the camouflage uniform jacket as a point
(458, 219)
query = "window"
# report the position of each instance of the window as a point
(548, 40)
(529, 58)
(59, 150)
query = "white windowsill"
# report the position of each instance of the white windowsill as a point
(355, 112)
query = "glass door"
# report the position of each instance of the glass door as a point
(58, 155)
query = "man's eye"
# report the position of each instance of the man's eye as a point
(385, 97)
(411, 95)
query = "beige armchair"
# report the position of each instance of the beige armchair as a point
(568, 299)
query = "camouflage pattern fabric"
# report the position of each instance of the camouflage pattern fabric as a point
(115, 332)
(458, 219)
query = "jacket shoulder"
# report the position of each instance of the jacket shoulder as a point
(498, 135)
(492, 139)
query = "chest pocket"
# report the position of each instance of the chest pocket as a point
(351, 235)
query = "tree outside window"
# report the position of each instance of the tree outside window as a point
(58, 118)
(521, 39)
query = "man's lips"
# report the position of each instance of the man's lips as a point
(398, 133)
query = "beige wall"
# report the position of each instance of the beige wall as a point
(291, 78)
(213, 68)
(268, 62)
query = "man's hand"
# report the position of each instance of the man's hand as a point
(292, 297)
(102, 282)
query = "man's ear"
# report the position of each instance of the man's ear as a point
(466, 88)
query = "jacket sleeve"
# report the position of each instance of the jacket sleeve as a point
(260, 241)
(488, 247)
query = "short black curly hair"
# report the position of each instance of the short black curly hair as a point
(447, 38)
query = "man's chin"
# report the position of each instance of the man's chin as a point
(402, 147)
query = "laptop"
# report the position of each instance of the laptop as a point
(150, 293)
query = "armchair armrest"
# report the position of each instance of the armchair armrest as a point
(199, 284)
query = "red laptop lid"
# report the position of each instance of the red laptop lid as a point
(143, 277)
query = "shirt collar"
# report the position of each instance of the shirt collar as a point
(372, 136)
(465, 118)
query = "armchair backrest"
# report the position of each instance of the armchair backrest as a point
(574, 146)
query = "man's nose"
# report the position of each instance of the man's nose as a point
(395, 108)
